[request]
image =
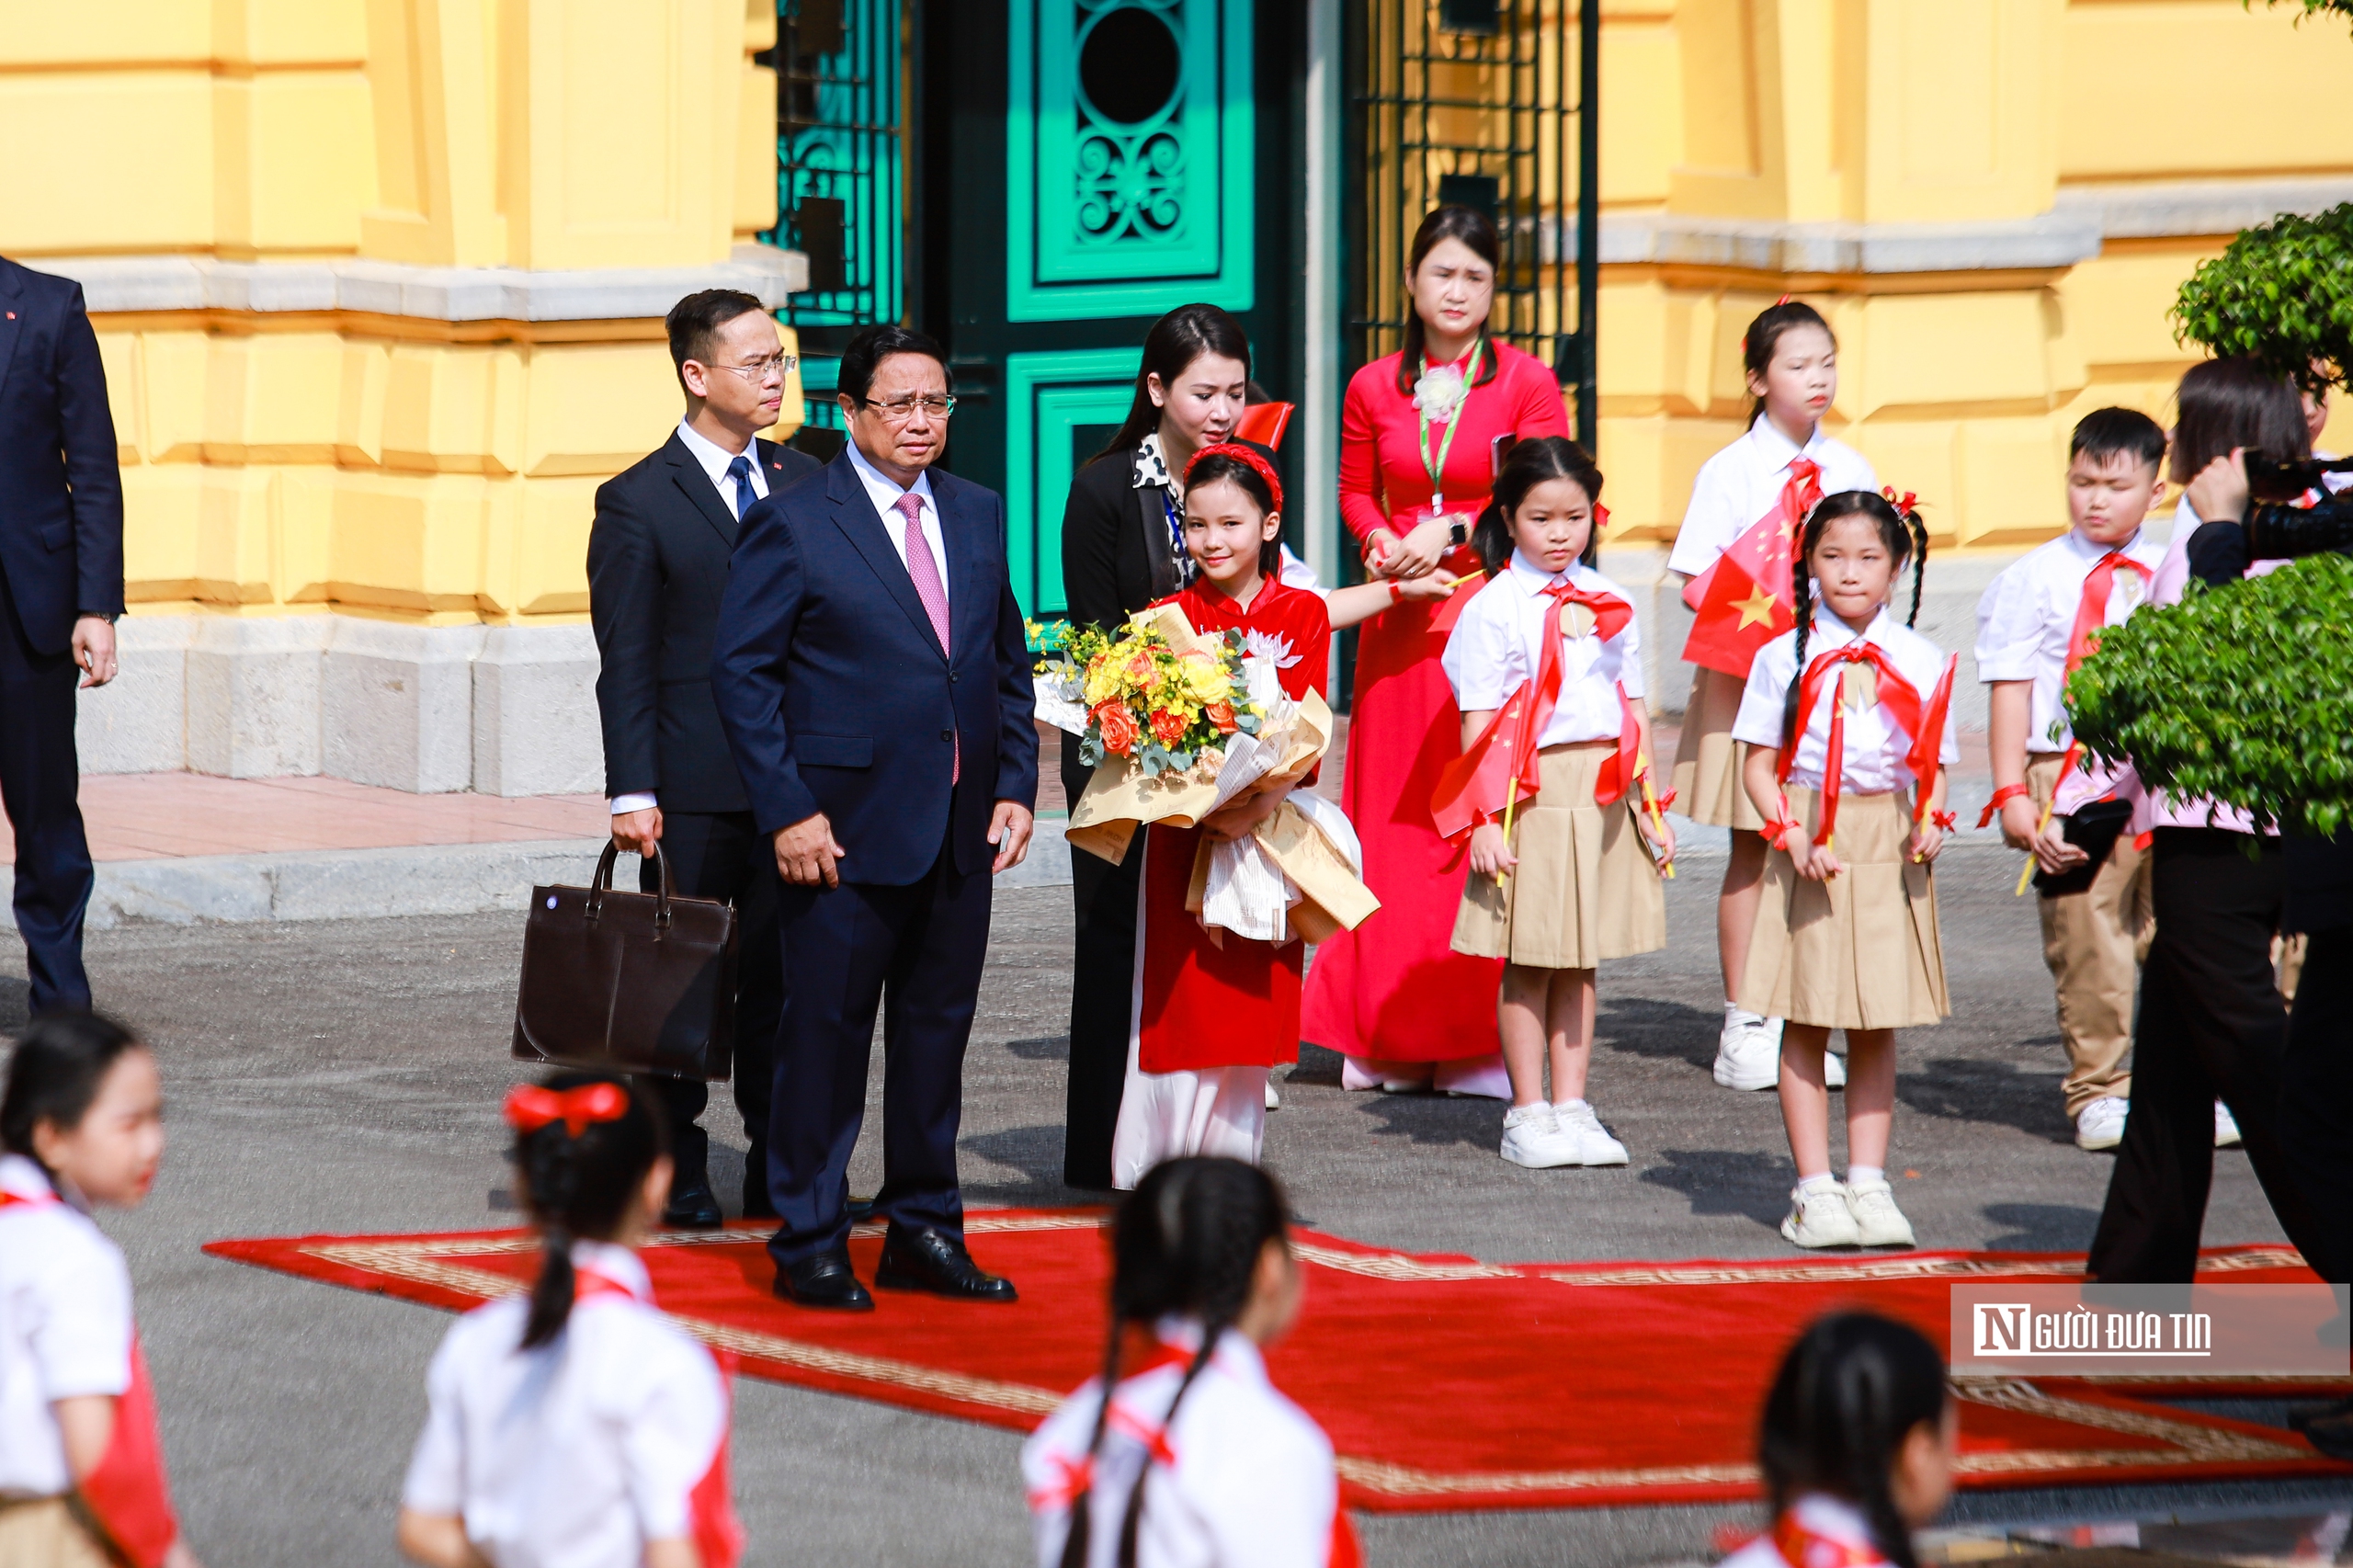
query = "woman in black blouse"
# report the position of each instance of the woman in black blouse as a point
(1123, 550)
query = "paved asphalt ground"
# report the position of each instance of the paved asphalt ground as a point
(343, 1076)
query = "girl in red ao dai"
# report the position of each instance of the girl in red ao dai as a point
(82, 1481)
(578, 1426)
(1846, 747)
(1573, 884)
(1213, 1011)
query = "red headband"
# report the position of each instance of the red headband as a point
(531, 1108)
(1240, 454)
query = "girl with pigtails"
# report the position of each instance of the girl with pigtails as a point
(1194, 1458)
(577, 1426)
(1844, 720)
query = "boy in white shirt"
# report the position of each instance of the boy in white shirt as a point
(2036, 620)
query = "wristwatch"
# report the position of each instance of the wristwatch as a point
(1458, 533)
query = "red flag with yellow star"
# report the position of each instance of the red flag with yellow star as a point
(1746, 599)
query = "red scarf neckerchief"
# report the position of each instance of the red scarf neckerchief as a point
(128, 1497)
(1899, 696)
(1802, 1547)
(2091, 610)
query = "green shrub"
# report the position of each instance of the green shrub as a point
(2244, 693)
(2281, 294)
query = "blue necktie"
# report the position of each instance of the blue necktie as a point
(740, 471)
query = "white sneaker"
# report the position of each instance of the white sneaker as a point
(1355, 1079)
(1274, 1100)
(1748, 1052)
(1834, 1067)
(1595, 1146)
(1878, 1221)
(1820, 1218)
(1480, 1077)
(2100, 1125)
(2226, 1127)
(1533, 1139)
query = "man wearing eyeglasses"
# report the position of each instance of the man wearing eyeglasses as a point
(657, 565)
(875, 680)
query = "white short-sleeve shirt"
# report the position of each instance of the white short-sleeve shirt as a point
(1499, 643)
(1743, 481)
(1833, 1519)
(1874, 764)
(1251, 1485)
(576, 1453)
(65, 1325)
(2027, 613)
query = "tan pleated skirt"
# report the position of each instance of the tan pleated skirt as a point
(1859, 951)
(1585, 888)
(1707, 759)
(43, 1533)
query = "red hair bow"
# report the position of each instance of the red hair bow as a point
(531, 1108)
(1903, 504)
(1243, 455)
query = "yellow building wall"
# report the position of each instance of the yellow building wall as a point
(1962, 384)
(391, 466)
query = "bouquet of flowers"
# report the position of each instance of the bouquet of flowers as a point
(1164, 704)
(1175, 725)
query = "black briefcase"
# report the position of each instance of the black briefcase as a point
(628, 981)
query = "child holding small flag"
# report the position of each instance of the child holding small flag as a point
(1848, 704)
(1554, 790)
(1733, 553)
(2040, 619)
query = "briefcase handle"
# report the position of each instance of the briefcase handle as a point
(603, 884)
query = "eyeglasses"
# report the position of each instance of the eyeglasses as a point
(899, 410)
(777, 364)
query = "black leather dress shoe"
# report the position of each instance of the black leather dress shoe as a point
(824, 1280)
(927, 1260)
(693, 1207)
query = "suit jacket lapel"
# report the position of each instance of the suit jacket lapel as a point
(689, 477)
(855, 515)
(12, 311)
(967, 599)
(1159, 552)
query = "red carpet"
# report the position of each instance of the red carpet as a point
(1650, 1373)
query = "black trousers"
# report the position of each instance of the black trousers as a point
(721, 855)
(2211, 1025)
(915, 952)
(40, 783)
(2316, 1099)
(1102, 975)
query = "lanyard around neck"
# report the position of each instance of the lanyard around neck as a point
(1436, 465)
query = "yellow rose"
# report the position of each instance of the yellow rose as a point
(1205, 679)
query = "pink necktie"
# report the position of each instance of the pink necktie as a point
(930, 590)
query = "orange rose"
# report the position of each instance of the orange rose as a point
(1169, 727)
(1119, 732)
(1222, 715)
(1140, 669)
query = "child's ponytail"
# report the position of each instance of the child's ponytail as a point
(1849, 1393)
(584, 1144)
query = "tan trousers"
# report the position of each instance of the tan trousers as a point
(2093, 942)
(46, 1535)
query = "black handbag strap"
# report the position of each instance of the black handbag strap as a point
(602, 883)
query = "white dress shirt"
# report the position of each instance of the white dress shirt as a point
(1833, 1519)
(1874, 764)
(1743, 482)
(1499, 643)
(714, 460)
(2028, 614)
(576, 1453)
(885, 493)
(65, 1325)
(1250, 1482)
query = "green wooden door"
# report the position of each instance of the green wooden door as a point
(1088, 165)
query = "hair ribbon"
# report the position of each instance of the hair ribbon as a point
(1244, 456)
(531, 1108)
(1905, 505)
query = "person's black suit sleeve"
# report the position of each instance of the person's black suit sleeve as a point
(91, 471)
(625, 612)
(2218, 552)
(1016, 763)
(1090, 556)
(757, 621)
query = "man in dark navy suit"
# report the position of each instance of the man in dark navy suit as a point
(874, 677)
(61, 588)
(657, 565)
